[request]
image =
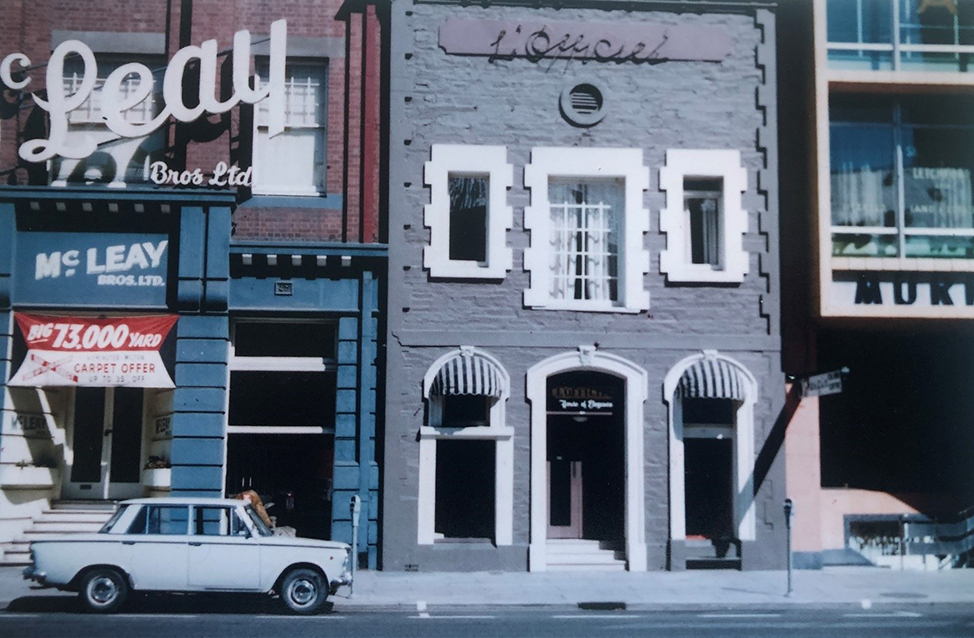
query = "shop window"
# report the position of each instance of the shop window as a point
(293, 162)
(466, 482)
(703, 219)
(282, 378)
(901, 177)
(281, 421)
(468, 216)
(900, 35)
(117, 160)
(464, 489)
(587, 224)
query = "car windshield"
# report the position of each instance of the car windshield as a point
(261, 526)
(107, 527)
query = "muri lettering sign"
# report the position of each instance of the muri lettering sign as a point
(113, 105)
(893, 288)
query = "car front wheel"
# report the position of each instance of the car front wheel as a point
(103, 590)
(303, 591)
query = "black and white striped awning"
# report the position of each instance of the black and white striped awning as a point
(711, 379)
(467, 373)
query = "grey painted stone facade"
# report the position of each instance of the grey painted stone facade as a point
(438, 98)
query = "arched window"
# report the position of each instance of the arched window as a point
(711, 423)
(466, 483)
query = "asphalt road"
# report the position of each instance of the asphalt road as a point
(192, 616)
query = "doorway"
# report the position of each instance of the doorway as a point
(105, 460)
(586, 457)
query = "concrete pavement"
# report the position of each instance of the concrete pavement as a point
(862, 586)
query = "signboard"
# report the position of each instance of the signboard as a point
(823, 384)
(633, 42)
(580, 399)
(93, 352)
(27, 424)
(162, 427)
(92, 269)
(114, 102)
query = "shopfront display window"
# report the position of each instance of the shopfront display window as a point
(901, 35)
(901, 177)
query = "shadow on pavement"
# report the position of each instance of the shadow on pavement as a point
(161, 604)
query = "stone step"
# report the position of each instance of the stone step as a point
(90, 505)
(73, 516)
(585, 559)
(15, 553)
(574, 567)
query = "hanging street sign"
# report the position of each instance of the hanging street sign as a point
(823, 384)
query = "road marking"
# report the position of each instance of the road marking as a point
(738, 615)
(425, 616)
(895, 614)
(603, 616)
(421, 608)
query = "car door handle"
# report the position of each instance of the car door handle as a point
(128, 542)
(195, 544)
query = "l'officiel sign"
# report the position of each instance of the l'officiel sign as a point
(114, 104)
(620, 42)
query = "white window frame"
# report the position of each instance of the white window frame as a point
(264, 187)
(588, 163)
(497, 431)
(675, 261)
(468, 159)
(273, 364)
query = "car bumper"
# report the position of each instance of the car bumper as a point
(344, 579)
(32, 573)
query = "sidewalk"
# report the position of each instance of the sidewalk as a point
(861, 586)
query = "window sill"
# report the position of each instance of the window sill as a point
(475, 432)
(582, 307)
(701, 274)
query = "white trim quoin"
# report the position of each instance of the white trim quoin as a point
(744, 517)
(675, 261)
(587, 163)
(468, 160)
(637, 383)
(497, 431)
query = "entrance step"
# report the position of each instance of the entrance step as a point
(585, 555)
(64, 517)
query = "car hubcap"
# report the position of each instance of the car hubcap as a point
(103, 590)
(303, 591)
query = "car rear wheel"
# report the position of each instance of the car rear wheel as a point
(303, 591)
(103, 590)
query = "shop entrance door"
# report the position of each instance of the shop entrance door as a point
(106, 445)
(564, 498)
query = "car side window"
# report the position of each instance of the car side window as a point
(218, 521)
(164, 520)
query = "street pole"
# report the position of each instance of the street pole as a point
(356, 508)
(789, 510)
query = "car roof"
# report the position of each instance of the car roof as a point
(182, 500)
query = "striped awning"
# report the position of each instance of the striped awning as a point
(711, 379)
(467, 373)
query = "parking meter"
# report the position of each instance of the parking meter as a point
(355, 507)
(789, 512)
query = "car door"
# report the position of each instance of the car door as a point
(223, 553)
(156, 547)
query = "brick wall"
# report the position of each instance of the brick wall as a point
(27, 28)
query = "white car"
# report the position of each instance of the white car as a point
(189, 545)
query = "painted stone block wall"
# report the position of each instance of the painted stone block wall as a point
(438, 98)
